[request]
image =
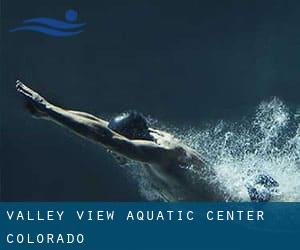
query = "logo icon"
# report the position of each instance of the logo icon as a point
(53, 27)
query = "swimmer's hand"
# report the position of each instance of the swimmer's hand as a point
(35, 103)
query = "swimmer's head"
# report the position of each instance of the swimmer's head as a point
(132, 125)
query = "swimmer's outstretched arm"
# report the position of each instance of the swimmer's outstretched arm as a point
(95, 129)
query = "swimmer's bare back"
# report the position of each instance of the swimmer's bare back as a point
(165, 155)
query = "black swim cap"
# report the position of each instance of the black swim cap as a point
(132, 125)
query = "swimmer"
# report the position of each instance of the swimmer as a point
(129, 136)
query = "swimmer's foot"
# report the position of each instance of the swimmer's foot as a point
(34, 103)
(264, 188)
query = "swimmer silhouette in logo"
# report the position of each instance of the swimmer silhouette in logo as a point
(166, 158)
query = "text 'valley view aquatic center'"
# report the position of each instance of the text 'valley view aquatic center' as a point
(149, 215)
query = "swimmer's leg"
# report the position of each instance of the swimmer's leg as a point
(263, 188)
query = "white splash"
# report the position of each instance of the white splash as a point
(268, 142)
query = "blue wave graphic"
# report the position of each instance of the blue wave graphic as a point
(53, 27)
(53, 23)
(47, 31)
